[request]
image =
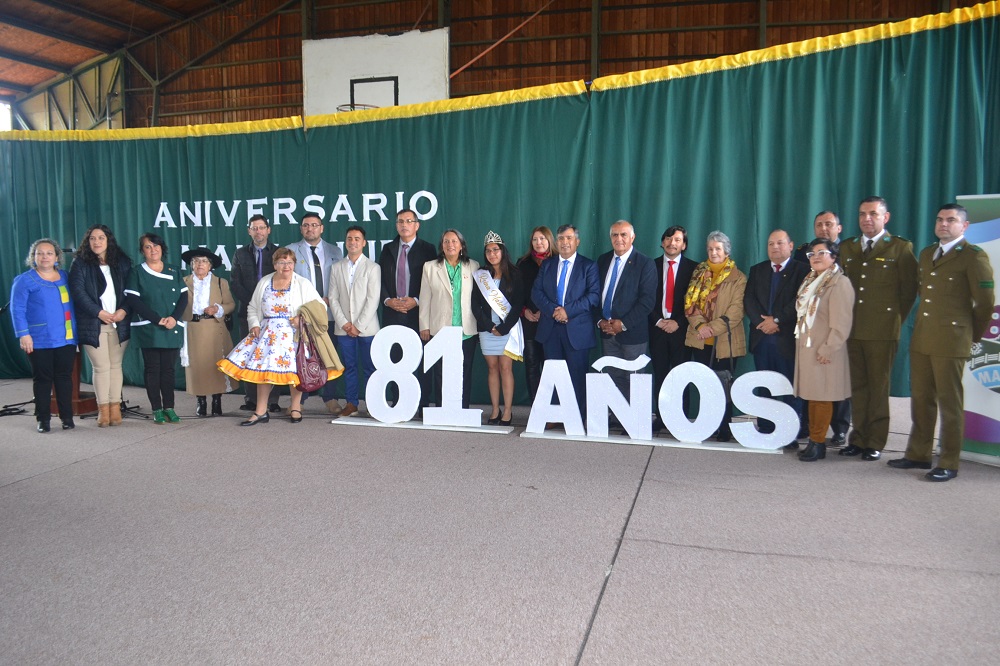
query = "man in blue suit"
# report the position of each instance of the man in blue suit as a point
(628, 291)
(314, 258)
(566, 291)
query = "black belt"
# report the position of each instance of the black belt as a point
(201, 317)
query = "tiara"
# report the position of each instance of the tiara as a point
(493, 237)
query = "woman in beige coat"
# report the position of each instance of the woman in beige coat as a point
(713, 305)
(207, 338)
(825, 308)
(446, 281)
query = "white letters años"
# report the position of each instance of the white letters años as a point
(287, 210)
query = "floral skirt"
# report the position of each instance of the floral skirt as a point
(268, 358)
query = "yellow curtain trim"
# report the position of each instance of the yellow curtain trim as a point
(449, 105)
(796, 49)
(188, 131)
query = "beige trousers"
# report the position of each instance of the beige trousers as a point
(107, 361)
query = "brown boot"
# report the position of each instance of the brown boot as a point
(116, 413)
(103, 415)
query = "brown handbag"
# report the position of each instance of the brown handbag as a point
(309, 367)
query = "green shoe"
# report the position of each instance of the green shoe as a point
(159, 418)
(172, 415)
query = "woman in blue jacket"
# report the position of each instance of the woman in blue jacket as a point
(45, 326)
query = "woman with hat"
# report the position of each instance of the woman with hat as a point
(159, 297)
(497, 301)
(208, 340)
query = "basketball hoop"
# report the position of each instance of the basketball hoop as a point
(355, 107)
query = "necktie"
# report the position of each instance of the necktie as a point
(609, 296)
(775, 278)
(260, 263)
(868, 246)
(937, 254)
(668, 297)
(401, 280)
(561, 285)
(317, 271)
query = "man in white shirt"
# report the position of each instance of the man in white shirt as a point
(355, 285)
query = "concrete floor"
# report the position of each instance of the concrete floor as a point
(206, 543)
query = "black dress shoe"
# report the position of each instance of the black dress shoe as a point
(851, 450)
(295, 419)
(43, 426)
(68, 424)
(906, 463)
(274, 407)
(505, 424)
(217, 404)
(794, 446)
(256, 418)
(248, 407)
(658, 424)
(814, 451)
(941, 474)
(871, 454)
(202, 408)
(838, 439)
(723, 435)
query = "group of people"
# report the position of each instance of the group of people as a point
(100, 304)
(826, 315)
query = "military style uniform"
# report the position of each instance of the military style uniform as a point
(956, 303)
(885, 286)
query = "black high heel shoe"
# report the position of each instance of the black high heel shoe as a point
(256, 418)
(506, 423)
(495, 420)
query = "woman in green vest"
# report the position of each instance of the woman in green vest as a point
(160, 297)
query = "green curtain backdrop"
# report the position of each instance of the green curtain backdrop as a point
(744, 149)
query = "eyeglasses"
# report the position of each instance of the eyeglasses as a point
(817, 253)
(310, 225)
(285, 263)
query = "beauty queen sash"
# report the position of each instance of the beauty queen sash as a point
(499, 303)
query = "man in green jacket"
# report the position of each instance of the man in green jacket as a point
(956, 303)
(883, 272)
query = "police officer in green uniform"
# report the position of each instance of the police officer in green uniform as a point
(956, 303)
(883, 272)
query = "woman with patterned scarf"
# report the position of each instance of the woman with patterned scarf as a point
(713, 303)
(825, 313)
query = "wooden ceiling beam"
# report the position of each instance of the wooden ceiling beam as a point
(94, 17)
(54, 34)
(35, 62)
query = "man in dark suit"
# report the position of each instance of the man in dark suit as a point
(402, 262)
(826, 225)
(883, 272)
(628, 281)
(956, 304)
(250, 264)
(667, 323)
(566, 291)
(769, 301)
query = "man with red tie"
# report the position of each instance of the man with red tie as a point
(667, 323)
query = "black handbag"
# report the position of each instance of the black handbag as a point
(725, 376)
(308, 366)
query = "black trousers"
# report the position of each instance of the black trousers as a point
(468, 351)
(703, 356)
(160, 376)
(533, 357)
(52, 367)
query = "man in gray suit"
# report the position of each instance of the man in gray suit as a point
(314, 258)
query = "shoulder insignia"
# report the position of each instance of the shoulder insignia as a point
(975, 248)
(986, 284)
